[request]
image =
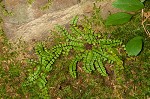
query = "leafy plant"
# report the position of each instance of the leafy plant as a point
(30, 1)
(134, 46)
(88, 47)
(135, 76)
(118, 18)
(47, 5)
(128, 5)
(122, 17)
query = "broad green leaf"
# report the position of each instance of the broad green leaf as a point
(142, 0)
(134, 46)
(128, 5)
(118, 18)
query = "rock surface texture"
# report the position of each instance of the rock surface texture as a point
(30, 23)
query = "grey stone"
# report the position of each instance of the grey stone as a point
(30, 22)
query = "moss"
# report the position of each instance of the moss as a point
(135, 78)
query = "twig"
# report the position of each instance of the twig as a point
(143, 21)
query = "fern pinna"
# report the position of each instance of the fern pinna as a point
(89, 48)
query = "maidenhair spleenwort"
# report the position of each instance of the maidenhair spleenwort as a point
(89, 48)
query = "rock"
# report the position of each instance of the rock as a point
(30, 22)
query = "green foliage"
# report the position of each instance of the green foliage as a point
(58, 84)
(44, 7)
(136, 69)
(47, 5)
(30, 1)
(38, 76)
(134, 46)
(128, 5)
(92, 50)
(3, 10)
(121, 17)
(118, 18)
(142, 0)
(89, 48)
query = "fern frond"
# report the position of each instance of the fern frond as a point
(73, 68)
(88, 47)
(74, 21)
(90, 60)
(65, 33)
(33, 76)
(77, 31)
(93, 59)
(99, 66)
(86, 67)
(73, 65)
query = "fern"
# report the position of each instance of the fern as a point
(88, 47)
